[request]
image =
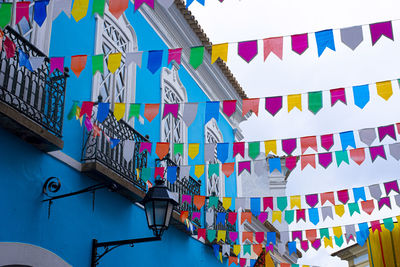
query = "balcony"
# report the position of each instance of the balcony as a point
(106, 164)
(32, 102)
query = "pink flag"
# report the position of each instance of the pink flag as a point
(22, 11)
(357, 155)
(273, 104)
(232, 217)
(379, 29)
(88, 124)
(376, 225)
(260, 237)
(242, 262)
(248, 50)
(343, 196)
(175, 54)
(300, 43)
(338, 94)
(250, 105)
(274, 45)
(171, 108)
(56, 63)
(325, 159)
(201, 233)
(159, 171)
(304, 245)
(9, 47)
(238, 148)
(145, 146)
(229, 107)
(301, 215)
(327, 141)
(289, 145)
(307, 160)
(268, 202)
(308, 141)
(386, 130)
(291, 162)
(138, 3)
(376, 151)
(87, 107)
(244, 165)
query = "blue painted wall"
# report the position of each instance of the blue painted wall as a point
(73, 224)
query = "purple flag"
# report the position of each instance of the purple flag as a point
(300, 43)
(338, 94)
(289, 145)
(171, 108)
(312, 200)
(376, 151)
(145, 146)
(138, 3)
(383, 131)
(273, 104)
(244, 165)
(389, 186)
(379, 29)
(56, 63)
(247, 50)
(384, 201)
(297, 234)
(196, 215)
(325, 159)
(316, 244)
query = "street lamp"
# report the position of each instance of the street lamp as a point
(158, 204)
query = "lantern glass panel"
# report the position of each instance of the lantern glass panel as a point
(169, 213)
(149, 213)
(160, 211)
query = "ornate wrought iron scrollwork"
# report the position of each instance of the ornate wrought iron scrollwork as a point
(52, 185)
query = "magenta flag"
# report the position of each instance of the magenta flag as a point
(297, 234)
(229, 107)
(145, 146)
(274, 45)
(263, 216)
(384, 201)
(56, 63)
(304, 245)
(300, 215)
(187, 199)
(273, 104)
(22, 11)
(138, 3)
(312, 200)
(159, 171)
(87, 107)
(9, 47)
(376, 151)
(291, 162)
(233, 236)
(379, 29)
(327, 141)
(325, 159)
(300, 43)
(171, 108)
(238, 148)
(343, 196)
(389, 186)
(196, 215)
(248, 50)
(383, 131)
(289, 145)
(175, 54)
(88, 124)
(244, 165)
(232, 216)
(316, 244)
(268, 202)
(338, 94)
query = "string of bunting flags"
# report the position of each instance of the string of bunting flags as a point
(313, 237)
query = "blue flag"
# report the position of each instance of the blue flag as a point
(360, 238)
(189, 2)
(252, 262)
(255, 206)
(274, 164)
(347, 139)
(271, 238)
(23, 60)
(324, 40)
(292, 247)
(216, 250)
(212, 110)
(154, 60)
(221, 218)
(102, 111)
(114, 142)
(364, 229)
(222, 151)
(359, 193)
(171, 174)
(40, 13)
(313, 215)
(361, 95)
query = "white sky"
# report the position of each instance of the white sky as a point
(235, 20)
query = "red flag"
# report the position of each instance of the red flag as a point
(357, 155)
(307, 160)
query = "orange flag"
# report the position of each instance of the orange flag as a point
(151, 111)
(268, 260)
(198, 201)
(228, 168)
(257, 249)
(184, 215)
(250, 105)
(118, 7)
(248, 236)
(245, 216)
(78, 63)
(162, 149)
(233, 260)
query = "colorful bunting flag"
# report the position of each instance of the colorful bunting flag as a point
(22, 11)
(114, 61)
(196, 56)
(294, 101)
(219, 51)
(79, 9)
(248, 50)
(299, 43)
(315, 101)
(175, 54)
(273, 104)
(78, 64)
(361, 95)
(154, 59)
(352, 36)
(384, 89)
(379, 29)
(324, 40)
(274, 45)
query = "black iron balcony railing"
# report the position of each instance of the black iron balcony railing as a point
(97, 148)
(36, 94)
(183, 186)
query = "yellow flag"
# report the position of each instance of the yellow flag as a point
(339, 210)
(276, 215)
(226, 202)
(295, 201)
(236, 249)
(79, 9)
(221, 235)
(193, 150)
(328, 241)
(268, 260)
(137, 174)
(219, 51)
(294, 101)
(270, 146)
(114, 61)
(119, 110)
(78, 113)
(199, 170)
(384, 89)
(337, 231)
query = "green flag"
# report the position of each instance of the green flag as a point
(341, 156)
(178, 149)
(196, 56)
(134, 111)
(388, 222)
(213, 201)
(254, 149)
(5, 14)
(289, 216)
(246, 249)
(353, 207)
(98, 63)
(146, 173)
(324, 232)
(339, 241)
(72, 112)
(98, 7)
(213, 169)
(281, 203)
(315, 101)
(211, 234)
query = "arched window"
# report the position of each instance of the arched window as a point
(215, 185)
(115, 36)
(173, 130)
